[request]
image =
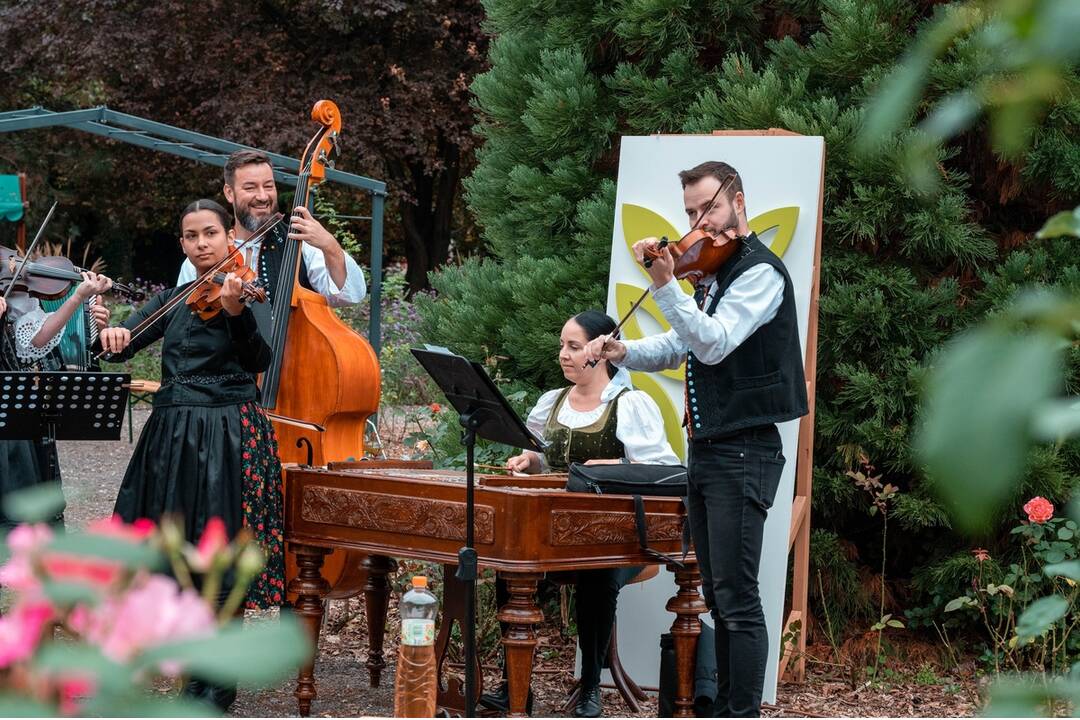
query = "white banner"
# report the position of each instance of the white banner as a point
(782, 183)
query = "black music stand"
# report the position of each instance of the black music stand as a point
(483, 412)
(62, 405)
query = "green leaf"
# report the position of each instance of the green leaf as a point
(1063, 223)
(15, 706)
(1057, 419)
(957, 603)
(141, 705)
(39, 503)
(76, 659)
(974, 443)
(263, 653)
(65, 594)
(952, 115)
(895, 624)
(1040, 615)
(1054, 556)
(1069, 570)
(1065, 534)
(1015, 698)
(125, 552)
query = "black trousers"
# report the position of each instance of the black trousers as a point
(596, 596)
(732, 484)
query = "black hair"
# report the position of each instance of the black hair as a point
(240, 158)
(595, 324)
(716, 169)
(222, 214)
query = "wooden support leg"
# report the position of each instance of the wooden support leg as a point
(522, 615)
(687, 606)
(376, 601)
(310, 588)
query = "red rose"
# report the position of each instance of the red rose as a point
(435, 407)
(1039, 509)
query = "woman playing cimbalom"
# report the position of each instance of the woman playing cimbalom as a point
(598, 419)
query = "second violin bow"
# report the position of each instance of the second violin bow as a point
(30, 249)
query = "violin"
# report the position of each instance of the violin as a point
(205, 299)
(49, 277)
(697, 254)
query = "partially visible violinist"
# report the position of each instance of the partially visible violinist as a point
(739, 336)
(29, 338)
(325, 267)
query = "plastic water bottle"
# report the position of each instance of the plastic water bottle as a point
(415, 681)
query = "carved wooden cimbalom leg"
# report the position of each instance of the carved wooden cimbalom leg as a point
(376, 601)
(522, 615)
(687, 606)
(310, 588)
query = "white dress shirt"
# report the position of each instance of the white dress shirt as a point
(752, 300)
(639, 426)
(351, 293)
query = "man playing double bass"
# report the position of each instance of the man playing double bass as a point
(739, 336)
(324, 266)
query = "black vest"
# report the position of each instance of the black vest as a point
(271, 255)
(761, 382)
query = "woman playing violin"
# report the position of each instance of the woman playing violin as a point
(207, 450)
(29, 338)
(598, 419)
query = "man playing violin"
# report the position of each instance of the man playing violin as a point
(739, 337)
(325, 267)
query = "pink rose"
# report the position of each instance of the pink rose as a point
(21, 629)
(214, 540)
(18, 572)
(1039, 509)
(153, 611)
(71, 690)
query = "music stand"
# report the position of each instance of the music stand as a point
(483, 412)
(62, 405)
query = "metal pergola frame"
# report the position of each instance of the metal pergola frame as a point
(209, 150)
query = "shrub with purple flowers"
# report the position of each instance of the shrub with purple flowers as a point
(404, 382)
(146, 365)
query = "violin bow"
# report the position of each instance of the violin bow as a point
(664, 242)
(180, 297)
(26, 255)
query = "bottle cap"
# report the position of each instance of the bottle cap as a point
(419, 581)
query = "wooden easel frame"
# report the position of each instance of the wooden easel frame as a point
(793, 662)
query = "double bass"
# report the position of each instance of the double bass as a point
(322, 371)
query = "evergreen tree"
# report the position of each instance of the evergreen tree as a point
(902, 271)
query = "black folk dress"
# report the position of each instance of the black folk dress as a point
(208, 450)
(25, 463)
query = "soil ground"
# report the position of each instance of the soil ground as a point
(92, 472)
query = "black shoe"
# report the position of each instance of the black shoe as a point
(588, 703)
(499, 701)
(221, 696)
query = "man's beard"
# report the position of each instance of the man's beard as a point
(247, 220)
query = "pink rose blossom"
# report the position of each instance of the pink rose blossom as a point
(71, 690)
(1039, 509)
(214, 540)
(21, 629)
(152, 612)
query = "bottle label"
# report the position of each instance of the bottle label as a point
(417, 631)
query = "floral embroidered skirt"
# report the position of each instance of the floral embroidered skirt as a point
(199, 462)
